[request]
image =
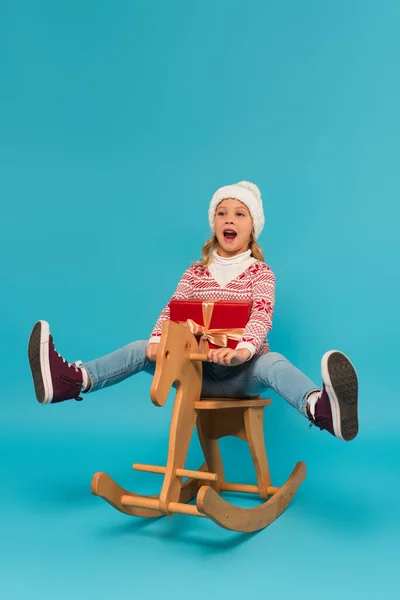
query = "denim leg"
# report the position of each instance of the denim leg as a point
(117, 366)
(131, 359)
(271, 370)
(214, 380)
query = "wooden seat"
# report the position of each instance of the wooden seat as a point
(178, 361)
(218, 403)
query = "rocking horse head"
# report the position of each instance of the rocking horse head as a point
(174, 365)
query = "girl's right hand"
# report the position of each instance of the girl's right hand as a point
(151, 351)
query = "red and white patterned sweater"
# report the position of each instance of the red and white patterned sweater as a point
(255, 284)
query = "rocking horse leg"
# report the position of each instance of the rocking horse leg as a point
(254, 427)
(181, 430)
(210, 448)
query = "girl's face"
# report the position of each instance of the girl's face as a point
(233, 227)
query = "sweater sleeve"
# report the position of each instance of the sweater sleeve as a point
(260, 321)
(182, 292)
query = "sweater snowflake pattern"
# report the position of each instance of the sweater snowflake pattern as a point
(256, 284)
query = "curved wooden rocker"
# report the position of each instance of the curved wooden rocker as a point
(179, 363)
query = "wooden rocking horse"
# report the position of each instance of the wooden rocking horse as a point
(179, 362)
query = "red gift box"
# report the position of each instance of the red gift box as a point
(216, 324)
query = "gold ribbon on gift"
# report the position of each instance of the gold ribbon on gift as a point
(218, 337)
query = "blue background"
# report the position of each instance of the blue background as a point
(118, 120)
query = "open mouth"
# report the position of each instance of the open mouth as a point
(229, 235)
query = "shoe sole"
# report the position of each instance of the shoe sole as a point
(38, 354)
(341, 385)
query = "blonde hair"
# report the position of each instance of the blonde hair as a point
(212, 244)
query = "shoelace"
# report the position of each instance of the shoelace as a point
(63, 359)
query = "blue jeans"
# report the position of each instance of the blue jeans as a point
(251, 378)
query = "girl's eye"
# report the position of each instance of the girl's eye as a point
(221, 213)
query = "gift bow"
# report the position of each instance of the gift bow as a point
(218, 337)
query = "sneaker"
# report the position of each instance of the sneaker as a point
(54, 378)
(336, 408)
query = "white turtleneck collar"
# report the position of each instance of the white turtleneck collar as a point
(231, 260)
(225, 270)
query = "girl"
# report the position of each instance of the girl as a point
(232, 268)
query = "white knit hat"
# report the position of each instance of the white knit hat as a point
(246, 192)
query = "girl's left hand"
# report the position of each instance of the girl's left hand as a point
(229, 357)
